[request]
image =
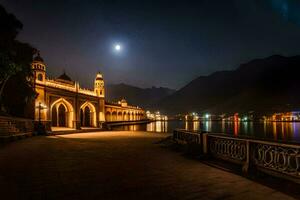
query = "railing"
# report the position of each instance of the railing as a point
(185, 137)
(281, 158)
(276, 159)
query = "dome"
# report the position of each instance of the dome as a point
(65, 77)
(99, 76)
(38, 58)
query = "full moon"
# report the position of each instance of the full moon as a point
(118, 47)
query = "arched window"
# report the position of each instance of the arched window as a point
(40, 77)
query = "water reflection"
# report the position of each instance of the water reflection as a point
(207, 126)
(158, 126)
(286, 131)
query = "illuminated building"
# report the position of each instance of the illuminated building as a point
(156, 116)
(288, 116)
(66, 104)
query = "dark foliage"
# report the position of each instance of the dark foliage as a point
(15, 69)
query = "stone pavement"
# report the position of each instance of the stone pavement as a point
(114, 165)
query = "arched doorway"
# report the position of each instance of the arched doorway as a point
(62, 116)
(128, 116)
(61, 113)
(88, 115)
(120, 116)
(114, 116)
(85, 117)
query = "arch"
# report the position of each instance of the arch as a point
(114, 116)
(87, 117)
(62, 116)
(108, 116)
(88, 114)
(128, 116)
(141, 116)
(120, 116)
(62, 113)
(124, 116)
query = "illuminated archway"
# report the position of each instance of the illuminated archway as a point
(62, 113)
(88, 114)
(128, 116)
(108, 116)
(120, 116)
(114, 116)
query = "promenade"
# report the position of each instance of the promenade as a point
(115, 165)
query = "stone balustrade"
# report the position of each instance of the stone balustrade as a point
(187, 137)
(274, 158)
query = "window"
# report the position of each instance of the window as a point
(40, 77)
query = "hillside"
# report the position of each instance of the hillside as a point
(262, 85)
(143, 97)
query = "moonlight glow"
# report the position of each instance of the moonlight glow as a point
(118, 47)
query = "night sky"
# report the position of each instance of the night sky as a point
(164, 43)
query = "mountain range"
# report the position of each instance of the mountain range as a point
(262, 86)
(143, 97)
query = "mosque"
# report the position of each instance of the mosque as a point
(63, 103)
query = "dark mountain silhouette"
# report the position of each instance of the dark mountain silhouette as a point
(135, 95)
(263, 85)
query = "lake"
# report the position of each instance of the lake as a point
(276, 131)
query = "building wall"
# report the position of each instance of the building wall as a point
(121, 113)
(64, 103)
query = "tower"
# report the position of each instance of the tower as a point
(100, 92)
(99, 85)
(39, 68)
(39, 74)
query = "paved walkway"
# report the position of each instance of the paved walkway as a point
(114, 165)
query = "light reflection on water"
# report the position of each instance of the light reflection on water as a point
(285, 131)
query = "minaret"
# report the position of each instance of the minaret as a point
(39, 74)
(99, 85)
(39, 68)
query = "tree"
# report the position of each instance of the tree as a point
(15, 64)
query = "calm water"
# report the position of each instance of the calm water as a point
(278, 131)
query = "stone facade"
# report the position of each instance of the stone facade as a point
(63, 103)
